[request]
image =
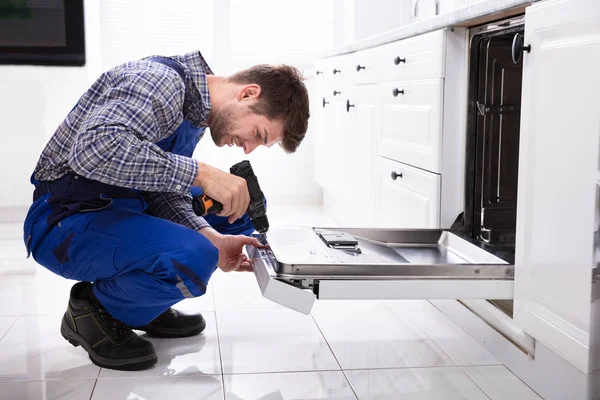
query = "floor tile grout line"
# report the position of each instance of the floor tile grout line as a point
(95, 383)
(419, 367)
(433, 340)
(512, 373)
(214, 301)
(521, 380)
(218, 339)
(134, 377)
(334, 356)
(10, 327)
(487, 365)
(303, 371)
(475, 383)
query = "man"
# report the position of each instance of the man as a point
(112, 201)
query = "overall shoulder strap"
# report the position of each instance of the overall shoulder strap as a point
(169, 62)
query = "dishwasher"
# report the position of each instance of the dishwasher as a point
(303, 264)
(473, 260)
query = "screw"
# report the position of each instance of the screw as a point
(477, 271)
(508, 272)
(297, 269)
(451, 29)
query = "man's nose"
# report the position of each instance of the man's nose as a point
(249, 147)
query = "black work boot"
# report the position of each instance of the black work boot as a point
(174, 324)
(108, 341)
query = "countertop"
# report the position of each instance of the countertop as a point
(426, 25)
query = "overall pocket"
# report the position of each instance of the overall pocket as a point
(87, 256)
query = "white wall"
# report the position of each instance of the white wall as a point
(34, 100)
(373, 17)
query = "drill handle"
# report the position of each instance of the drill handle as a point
(204, 205)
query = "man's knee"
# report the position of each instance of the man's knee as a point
(197, 263)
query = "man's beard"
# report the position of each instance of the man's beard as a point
(224, 122)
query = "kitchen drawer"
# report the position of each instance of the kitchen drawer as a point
(323, 72)
(340, 69)
(364, 66)
(419, 57)
(408, 197)
(411, 122)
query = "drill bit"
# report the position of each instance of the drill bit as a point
(262, 238)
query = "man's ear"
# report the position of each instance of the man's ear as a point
(249, 92)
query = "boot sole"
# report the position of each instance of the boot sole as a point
(130, 364)
(168, 333)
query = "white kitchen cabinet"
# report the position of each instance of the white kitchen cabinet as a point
(400, 115)
(351, 153)
(407, 196)
(361, 106)
(331, 143)
(365, 66)
(419, 57)
(322, 119)
(560, 129)
(411, 127)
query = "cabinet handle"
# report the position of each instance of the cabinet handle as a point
(336, 71)
(396, 175)
(324, 102)
(359, 67)
(348, 105)
(518, 48)
(319, 72)
(396, 92)
(335, 92)
(398, 60)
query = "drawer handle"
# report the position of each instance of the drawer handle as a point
(396, 175)
(319, 72)
(359, 67)
(396, 92)
(348, 105)
(335, 92)
(324, 102)
(398, 60)
(336, 71)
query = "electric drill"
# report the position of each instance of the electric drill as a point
(257, 211)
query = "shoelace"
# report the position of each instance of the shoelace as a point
(120, 327)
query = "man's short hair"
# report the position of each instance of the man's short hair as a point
(283, 96)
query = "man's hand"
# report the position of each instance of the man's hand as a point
(228, 189)
(231, 257)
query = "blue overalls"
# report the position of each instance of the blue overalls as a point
(140, 265)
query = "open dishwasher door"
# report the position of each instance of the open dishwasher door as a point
(303, 264)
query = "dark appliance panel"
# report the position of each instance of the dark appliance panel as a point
(497, 154)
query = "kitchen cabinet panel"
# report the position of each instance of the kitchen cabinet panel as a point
(557, 173)
(419, 57)
(411, 127)
(408, 197)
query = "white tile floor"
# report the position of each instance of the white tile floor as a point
(252, 348)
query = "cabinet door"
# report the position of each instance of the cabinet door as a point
(408, 197)
(361, 107)
(330, 146)
(321, 119)
(411, 130)
(560, 127)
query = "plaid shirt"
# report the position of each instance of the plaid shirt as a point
(111, 133)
